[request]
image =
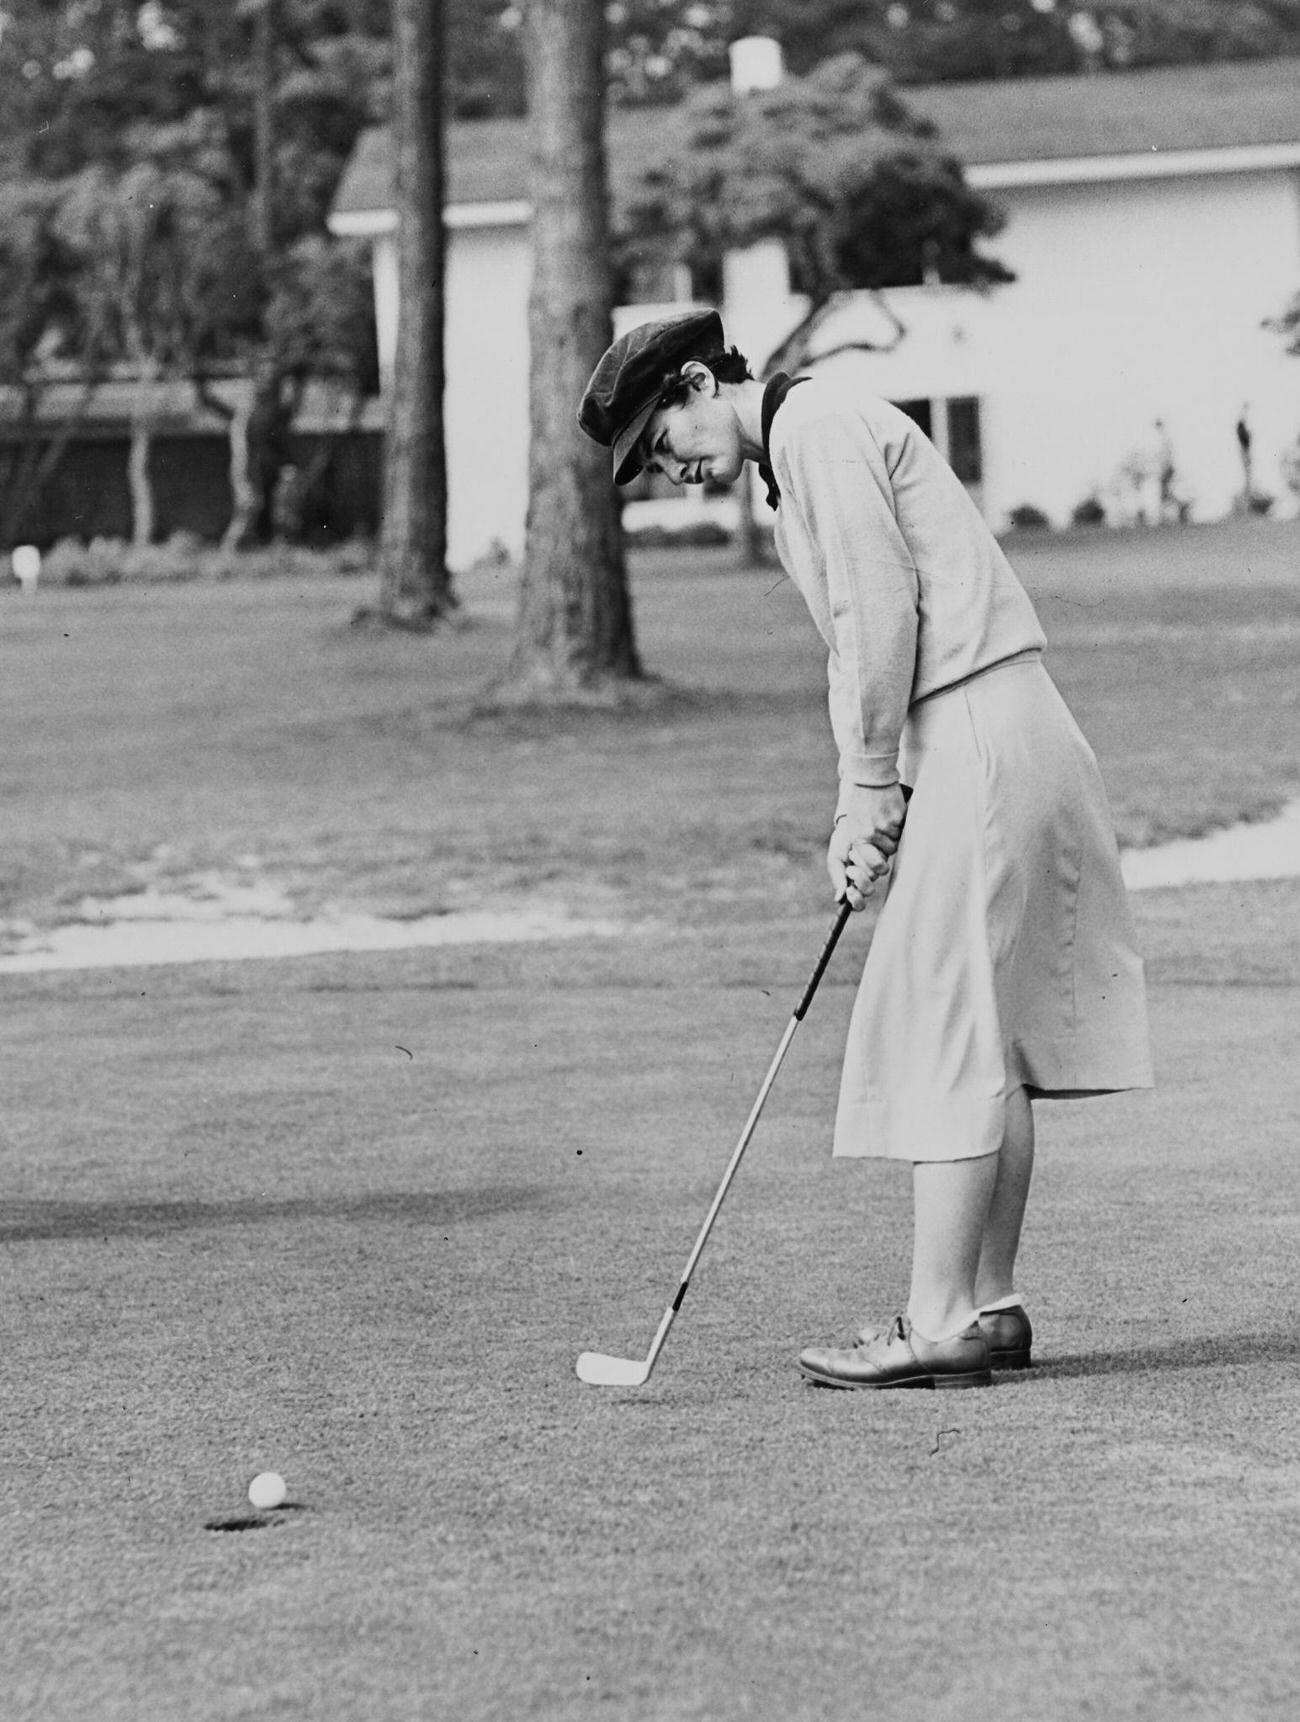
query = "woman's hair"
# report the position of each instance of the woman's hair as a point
(728, 367)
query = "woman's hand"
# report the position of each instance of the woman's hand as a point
(864, 840)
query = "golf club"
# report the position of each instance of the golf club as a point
(594, 1367)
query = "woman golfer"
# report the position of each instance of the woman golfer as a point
(1002, 967)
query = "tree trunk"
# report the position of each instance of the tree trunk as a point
(243, 493)
(574, 637)
(142, 510)
(415, 581)
(259, 431)
(137, 466)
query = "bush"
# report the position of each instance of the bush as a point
(1089, 512)
(699, 535)
(71, 562)
(1025, 518)
(114, 562)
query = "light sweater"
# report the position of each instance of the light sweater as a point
(905, 582)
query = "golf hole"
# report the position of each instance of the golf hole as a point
(257, 1521)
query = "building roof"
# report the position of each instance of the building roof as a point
(1239, 104)
(487, 160)
(1169, 110)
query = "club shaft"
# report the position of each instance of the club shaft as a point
(751, 1122)
(733, 1166)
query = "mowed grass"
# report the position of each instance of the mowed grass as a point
(162, 731)
(353, 1217)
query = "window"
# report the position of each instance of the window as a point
(965, 452)
(954, 427)
(918, 412)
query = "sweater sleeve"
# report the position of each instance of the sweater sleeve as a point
(838, 479)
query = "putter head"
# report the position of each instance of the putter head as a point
(597, 1370)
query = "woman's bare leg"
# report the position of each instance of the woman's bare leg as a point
(996, 1275)
(951, 1200)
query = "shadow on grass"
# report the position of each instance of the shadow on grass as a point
(280, 1515)
(30, 1222)
(1211, 1351)
(668, 704)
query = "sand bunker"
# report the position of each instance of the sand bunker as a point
(219, 920)
(1269, 850)
(227, 922)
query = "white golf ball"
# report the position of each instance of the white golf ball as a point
(267, 1490)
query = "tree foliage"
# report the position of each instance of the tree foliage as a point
(89, 76)
(834, 165)
(485, 59)
(319, 320)
(173, 164)
(922, 41)
(37, 280)
(159, 258)
(161, 265)
(104, 87)
(74, 71)
(660, 50)
(38, 308)
(1288, 326)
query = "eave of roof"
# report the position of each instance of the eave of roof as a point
(1015, 131)
(1154, 164)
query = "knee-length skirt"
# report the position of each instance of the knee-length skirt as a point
(1004, 955)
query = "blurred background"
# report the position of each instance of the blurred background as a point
(1066, 238)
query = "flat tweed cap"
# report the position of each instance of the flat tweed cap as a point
(626, 385)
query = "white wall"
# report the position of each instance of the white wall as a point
(486, 406)
(930, 341)
(383, 269)
(1133, 302)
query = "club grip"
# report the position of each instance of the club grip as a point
(832, 939)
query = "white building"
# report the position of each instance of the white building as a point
(1153, 225)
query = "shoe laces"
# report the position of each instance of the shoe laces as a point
(870, 1331)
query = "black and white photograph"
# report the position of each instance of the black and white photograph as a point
(649, 860)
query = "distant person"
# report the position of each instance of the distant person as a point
(1089, 38)
(1244, 447)
(1169, 504)
(1003, 965)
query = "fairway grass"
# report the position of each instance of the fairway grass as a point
(352, 1218)
(156, 735)
(354, 1222)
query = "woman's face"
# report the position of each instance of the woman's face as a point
(697, 440)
